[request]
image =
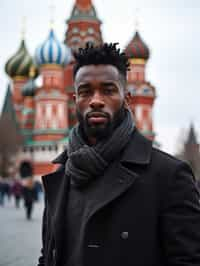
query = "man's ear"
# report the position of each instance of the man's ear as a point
(127, 100)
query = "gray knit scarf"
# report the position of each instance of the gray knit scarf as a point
(85, 162)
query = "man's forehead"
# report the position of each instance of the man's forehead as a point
(103, 72)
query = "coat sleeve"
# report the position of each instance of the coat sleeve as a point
(180, 220)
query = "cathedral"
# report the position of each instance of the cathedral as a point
(44, 111)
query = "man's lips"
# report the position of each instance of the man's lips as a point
(97, 118)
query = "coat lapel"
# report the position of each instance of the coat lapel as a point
(119, 177)
(118, 181)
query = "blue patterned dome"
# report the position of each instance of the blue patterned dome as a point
(52, 52)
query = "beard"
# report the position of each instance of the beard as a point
(100, 131)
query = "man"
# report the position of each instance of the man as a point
(116, 200)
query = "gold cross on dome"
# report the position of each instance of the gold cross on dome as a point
(137, 11)
(52, 13)
(23, 32)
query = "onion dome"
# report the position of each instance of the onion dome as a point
(19, 64)
(52, 52)
(137, 49)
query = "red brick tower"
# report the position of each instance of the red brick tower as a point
(142, 93)
(83, 26)
(51, 121)
(51, 102)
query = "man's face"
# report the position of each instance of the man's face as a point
(99, 95)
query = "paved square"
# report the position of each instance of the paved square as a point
(20, 240)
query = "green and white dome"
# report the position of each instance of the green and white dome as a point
(20, 63)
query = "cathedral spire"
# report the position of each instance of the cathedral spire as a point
(192, 138)
(84, 4)
(83, 25)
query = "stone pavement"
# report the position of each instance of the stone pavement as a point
(20, 240)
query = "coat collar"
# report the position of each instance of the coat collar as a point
(138, 151)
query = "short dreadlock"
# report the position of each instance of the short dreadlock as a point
(105, 54)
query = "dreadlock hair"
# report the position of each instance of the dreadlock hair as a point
(105, 54)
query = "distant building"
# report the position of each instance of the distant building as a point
(191, 152)
(42, 88)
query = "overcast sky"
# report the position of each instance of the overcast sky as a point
(171, 29)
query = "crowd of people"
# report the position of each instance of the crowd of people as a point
(21, 190)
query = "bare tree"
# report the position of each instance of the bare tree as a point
(10, 141)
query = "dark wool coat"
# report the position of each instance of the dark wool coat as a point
(148, 215)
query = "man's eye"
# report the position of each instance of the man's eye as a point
(109, 90)
(84, 92)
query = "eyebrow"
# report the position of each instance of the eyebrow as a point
(88, 84)
(82, 85)
(107, 83)
(101, 83)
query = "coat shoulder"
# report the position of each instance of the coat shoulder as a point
(165, 159)
(168, 167)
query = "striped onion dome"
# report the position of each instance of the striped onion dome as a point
(137, 48)
(29, 88)
(20, 63)
(52, 52)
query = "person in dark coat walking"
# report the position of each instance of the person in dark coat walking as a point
(2, 191)
(17, 192)
(29, 194)
(115, 200)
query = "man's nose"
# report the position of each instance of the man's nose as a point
(97, 101)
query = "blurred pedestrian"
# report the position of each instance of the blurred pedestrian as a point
(8, 188)
(29, 194)
(17, 192)
(3, 191)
